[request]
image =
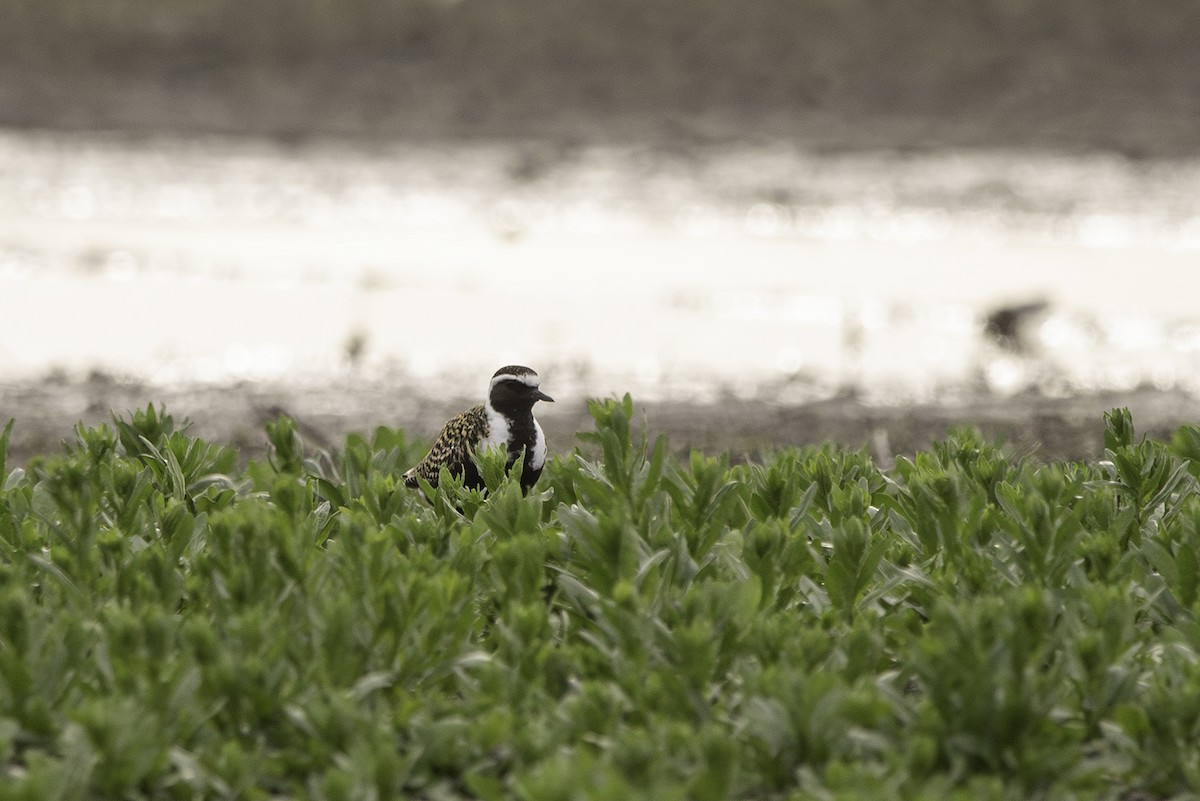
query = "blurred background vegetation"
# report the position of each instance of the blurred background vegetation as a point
(1119, 75)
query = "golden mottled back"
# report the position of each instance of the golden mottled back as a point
(452, 448)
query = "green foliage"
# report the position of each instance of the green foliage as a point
(967, 624)
(4, 437)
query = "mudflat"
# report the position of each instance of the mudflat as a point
(46, 413)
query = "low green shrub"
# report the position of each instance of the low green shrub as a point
(970, 623)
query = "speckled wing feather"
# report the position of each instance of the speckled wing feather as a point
(452, 448)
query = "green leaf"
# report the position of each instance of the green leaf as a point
(1118, 429)
(1161, 559)
(1186, 575)
(840, 583)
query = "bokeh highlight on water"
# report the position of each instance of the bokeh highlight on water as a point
(689, 273)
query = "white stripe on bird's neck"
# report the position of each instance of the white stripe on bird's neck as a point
(537, 459)
(498, 430)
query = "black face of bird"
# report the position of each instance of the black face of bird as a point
(516, 395)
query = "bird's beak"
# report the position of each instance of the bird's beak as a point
(539, 395)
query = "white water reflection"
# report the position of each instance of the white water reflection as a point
(766, 271)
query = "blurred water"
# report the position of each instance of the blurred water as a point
(670, 272)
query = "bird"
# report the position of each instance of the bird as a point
(505, 418)
(1010, 326)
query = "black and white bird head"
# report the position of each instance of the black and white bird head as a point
(509, 409)
(513, 391)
